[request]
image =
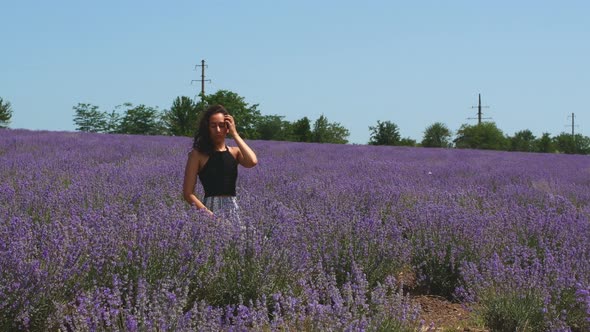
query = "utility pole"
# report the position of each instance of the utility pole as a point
(203, 80)
(573, 134)
(479, 114)
(572, 125)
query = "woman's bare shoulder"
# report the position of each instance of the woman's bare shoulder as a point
(235, 151)
(196, 160)
(195, 154)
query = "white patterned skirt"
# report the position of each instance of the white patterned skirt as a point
(223, 205)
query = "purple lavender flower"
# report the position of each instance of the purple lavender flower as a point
(94, 234)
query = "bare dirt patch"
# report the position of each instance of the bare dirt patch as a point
(445, 315)
(437, 311)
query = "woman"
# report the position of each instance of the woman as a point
(215, 163)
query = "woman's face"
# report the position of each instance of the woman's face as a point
(217, 127)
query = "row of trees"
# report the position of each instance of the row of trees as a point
(482, 136)
(181, 120)
(436, 135)
(182, 117)
(487, 136)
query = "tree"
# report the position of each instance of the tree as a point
(89, 119)
(246, 116)
(406, 141)
(5, 113)
(301, 130)
(326, 132)
(544, 144)
(577, 144)
(481, 136)
(582, 144)
(273, 127)
(385, 133)
(320, 133)
(181, 119)
(113, 122)
(523, 140)
(141, 120)
(437, 135)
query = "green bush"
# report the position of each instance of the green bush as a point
(512, 311)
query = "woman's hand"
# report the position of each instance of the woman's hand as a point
(206, 210)
(231, 125)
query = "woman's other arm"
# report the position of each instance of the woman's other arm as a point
(190, 180)
(246, 157)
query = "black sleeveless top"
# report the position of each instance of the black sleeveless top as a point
(219, 174)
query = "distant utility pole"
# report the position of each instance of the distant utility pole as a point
(573, 136)
(572, 125)
(203, 80)
(479, 107)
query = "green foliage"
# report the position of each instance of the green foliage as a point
(481, 136)
(544, 144)
(512, 312)
(89, 119)
(577, 144)
(246, 116)
(392, 325)
(273, 128)
(5, 113)
(440, 275)
(327, 132)
(564, 143)
(407, 142)
(301, 130)
(243, 274)
(523, 140)
(113, 121)
(141, 120)
(321, 132)
(437, 135)
(181, 119)
(577, 318)
(385, 133)
(582, 144)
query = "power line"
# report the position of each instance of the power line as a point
(479, 113)
(203, 80)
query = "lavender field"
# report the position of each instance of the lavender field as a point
(95, 235)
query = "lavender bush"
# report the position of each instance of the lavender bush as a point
(94, 235)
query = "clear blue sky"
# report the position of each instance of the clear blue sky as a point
(411, 62)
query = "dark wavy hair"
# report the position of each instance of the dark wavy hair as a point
(202, 141)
